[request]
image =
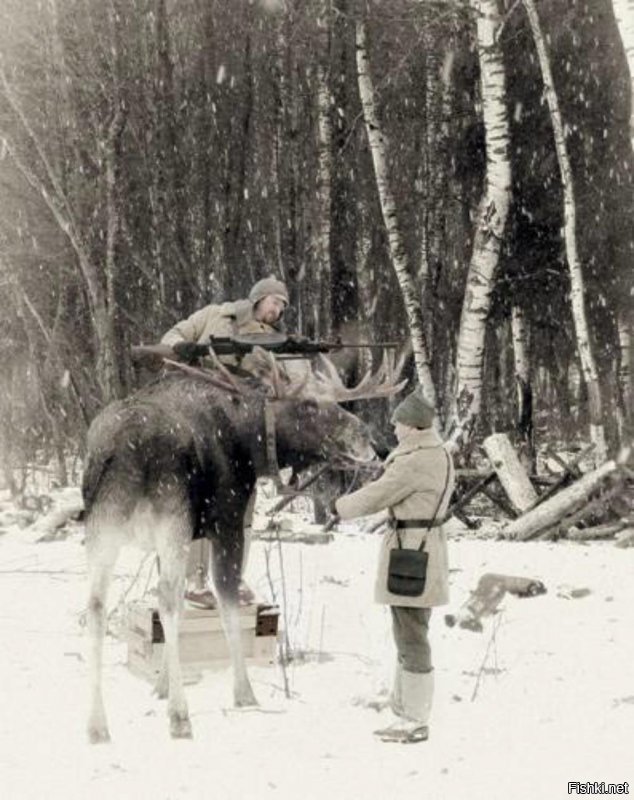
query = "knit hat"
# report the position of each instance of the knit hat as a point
(268, 286)
(414, 411)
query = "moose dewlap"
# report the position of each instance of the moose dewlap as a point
(202, 642)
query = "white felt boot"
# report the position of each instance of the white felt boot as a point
(411, 703)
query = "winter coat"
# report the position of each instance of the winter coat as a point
(418, 476)
(226, 319)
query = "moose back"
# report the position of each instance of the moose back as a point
(178, 460)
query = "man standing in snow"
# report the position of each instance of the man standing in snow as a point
(415, 487)
(261, 312)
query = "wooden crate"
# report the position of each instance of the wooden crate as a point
(202, 642)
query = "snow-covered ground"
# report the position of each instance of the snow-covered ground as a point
(544, 696)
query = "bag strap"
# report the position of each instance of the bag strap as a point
(440, 502)
(442, 496)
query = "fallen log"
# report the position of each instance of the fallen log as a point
(593, 532)
(570, 467)
(625, 538)
(511, 474)
(500, 501)
(483, 481)
(592, 512)
(486, 598)
(571, 471)
(568, 500)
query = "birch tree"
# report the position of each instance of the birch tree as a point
(324, 166)
(588, 365)
(624, 14)
(522, 381)
(378, 149)
(491, 221)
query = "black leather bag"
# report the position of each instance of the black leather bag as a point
(407, 572)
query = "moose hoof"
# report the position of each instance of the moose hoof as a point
(98, 735)
(180, 727)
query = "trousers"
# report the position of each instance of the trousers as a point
(410, 627)
(199, 561)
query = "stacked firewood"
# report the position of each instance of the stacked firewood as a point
(598, 504)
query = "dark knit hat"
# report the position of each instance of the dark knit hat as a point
(414, 411)
(268, 286)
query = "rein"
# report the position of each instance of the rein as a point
(270, 436)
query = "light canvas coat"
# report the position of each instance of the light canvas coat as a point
(418, 476)
(225, 319)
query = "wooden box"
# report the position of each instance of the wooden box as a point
(202, 641)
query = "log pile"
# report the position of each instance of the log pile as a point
(595, 505)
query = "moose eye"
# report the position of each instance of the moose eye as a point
(310, 405)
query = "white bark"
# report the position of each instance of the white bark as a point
(557, 507)
(624, 14)
(520, 343)
(378, 149)
(522, 373)
(582, 332)
(625, 365)
(492, 215)
(510, 471)
(323, 192)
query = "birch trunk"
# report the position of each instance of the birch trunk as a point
(113, 146)
(625, 365)
(378, 149)
(322, 250)
(431, 168)
(624, 14)
(523, 385)
(582, 332)
(492, 215)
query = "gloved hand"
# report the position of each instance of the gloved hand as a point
(188, 352)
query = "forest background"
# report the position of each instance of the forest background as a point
(397, 163)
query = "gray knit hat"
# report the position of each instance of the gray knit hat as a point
(414, 411)
(268, 286)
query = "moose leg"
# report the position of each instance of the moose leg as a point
(102, 553)
(227, 561)
(161, 688)
(171, 586)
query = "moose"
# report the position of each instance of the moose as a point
(178, 460)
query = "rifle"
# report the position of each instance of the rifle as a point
(282, 345)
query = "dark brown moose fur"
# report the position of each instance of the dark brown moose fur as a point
(177, 460)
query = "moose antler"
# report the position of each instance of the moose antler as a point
(264, 365)
(229, 378)
(382, 383)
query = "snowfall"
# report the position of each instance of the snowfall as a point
(543, 696)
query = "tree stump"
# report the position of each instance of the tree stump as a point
(485, 600)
